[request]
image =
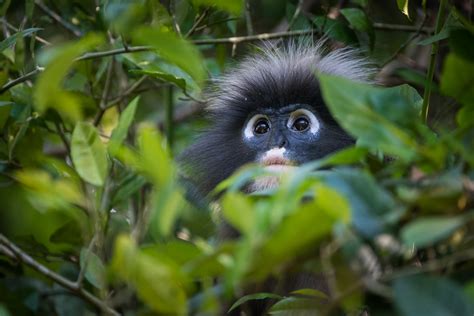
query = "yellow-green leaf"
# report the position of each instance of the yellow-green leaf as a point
(48, 91)
(89, 154)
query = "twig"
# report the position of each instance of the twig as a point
(105, 93)
(62, 135)
(21, 79)
(197, 22)
(169, 117)
(295, 15)
(15, 29)
(405, 44)
(176, 27)
(433, 265)
(82, 271)
(14, 252)
(402, 28)
(248, 18)
(112, 52)
(68, 26)
(127, 92)
(434, 53)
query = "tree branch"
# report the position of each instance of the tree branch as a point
(68, 26)
(14, 252)
(227, 40)
(402, 28)
(21, 79)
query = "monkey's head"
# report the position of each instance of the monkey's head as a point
(269, 110)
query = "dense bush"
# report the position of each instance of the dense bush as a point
(97, 97)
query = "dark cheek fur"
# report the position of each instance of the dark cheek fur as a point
(214, 157)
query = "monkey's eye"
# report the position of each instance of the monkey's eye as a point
(257, 125)
(301, 124)
(303, 120)
(261, 126)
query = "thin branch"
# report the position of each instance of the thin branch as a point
(62, 135)
(197, 22)
(15, 253)
(15, 29)
(295, 15)
(434, 54)
(82, 271)
(126, 93)
(172, 10)
(105, 93)
(21, 79)
(68, 26)
(248, 18)
(402, 28)
(433, 265)
(406, 43)
(112, 52)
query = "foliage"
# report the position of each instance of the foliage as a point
(97, 97)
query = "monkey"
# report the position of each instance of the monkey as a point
(269, 110)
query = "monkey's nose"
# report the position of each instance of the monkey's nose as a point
(282, 143)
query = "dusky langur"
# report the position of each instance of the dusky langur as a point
(269, 110)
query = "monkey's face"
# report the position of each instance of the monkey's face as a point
(285, 137)
(291, 135)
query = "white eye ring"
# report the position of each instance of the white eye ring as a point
(249, 127)
(314, 125)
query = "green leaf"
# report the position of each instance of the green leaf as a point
(457, 80)
(238, 211)
(360, 22)
(95, 269)
(346, 156)
(10, 41)
(426, 295)
(403, 7)
(427, 231)
(120, 132)
(155, 160)
(310, 292)
(69, 233)
(89, 154)
(47, 192)
(48, 91)
(296, 305)
(253, 297)
(461, 41)
(126, 187)
(465, 115)
(178, 81)
(335, 29)
(381, 118)
(313, 221)
(157, 280)
(372, 208)
(443, 34)
(174, 50)
(231, 6)
(29, 8)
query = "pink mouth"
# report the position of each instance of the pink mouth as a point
(270, 161)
